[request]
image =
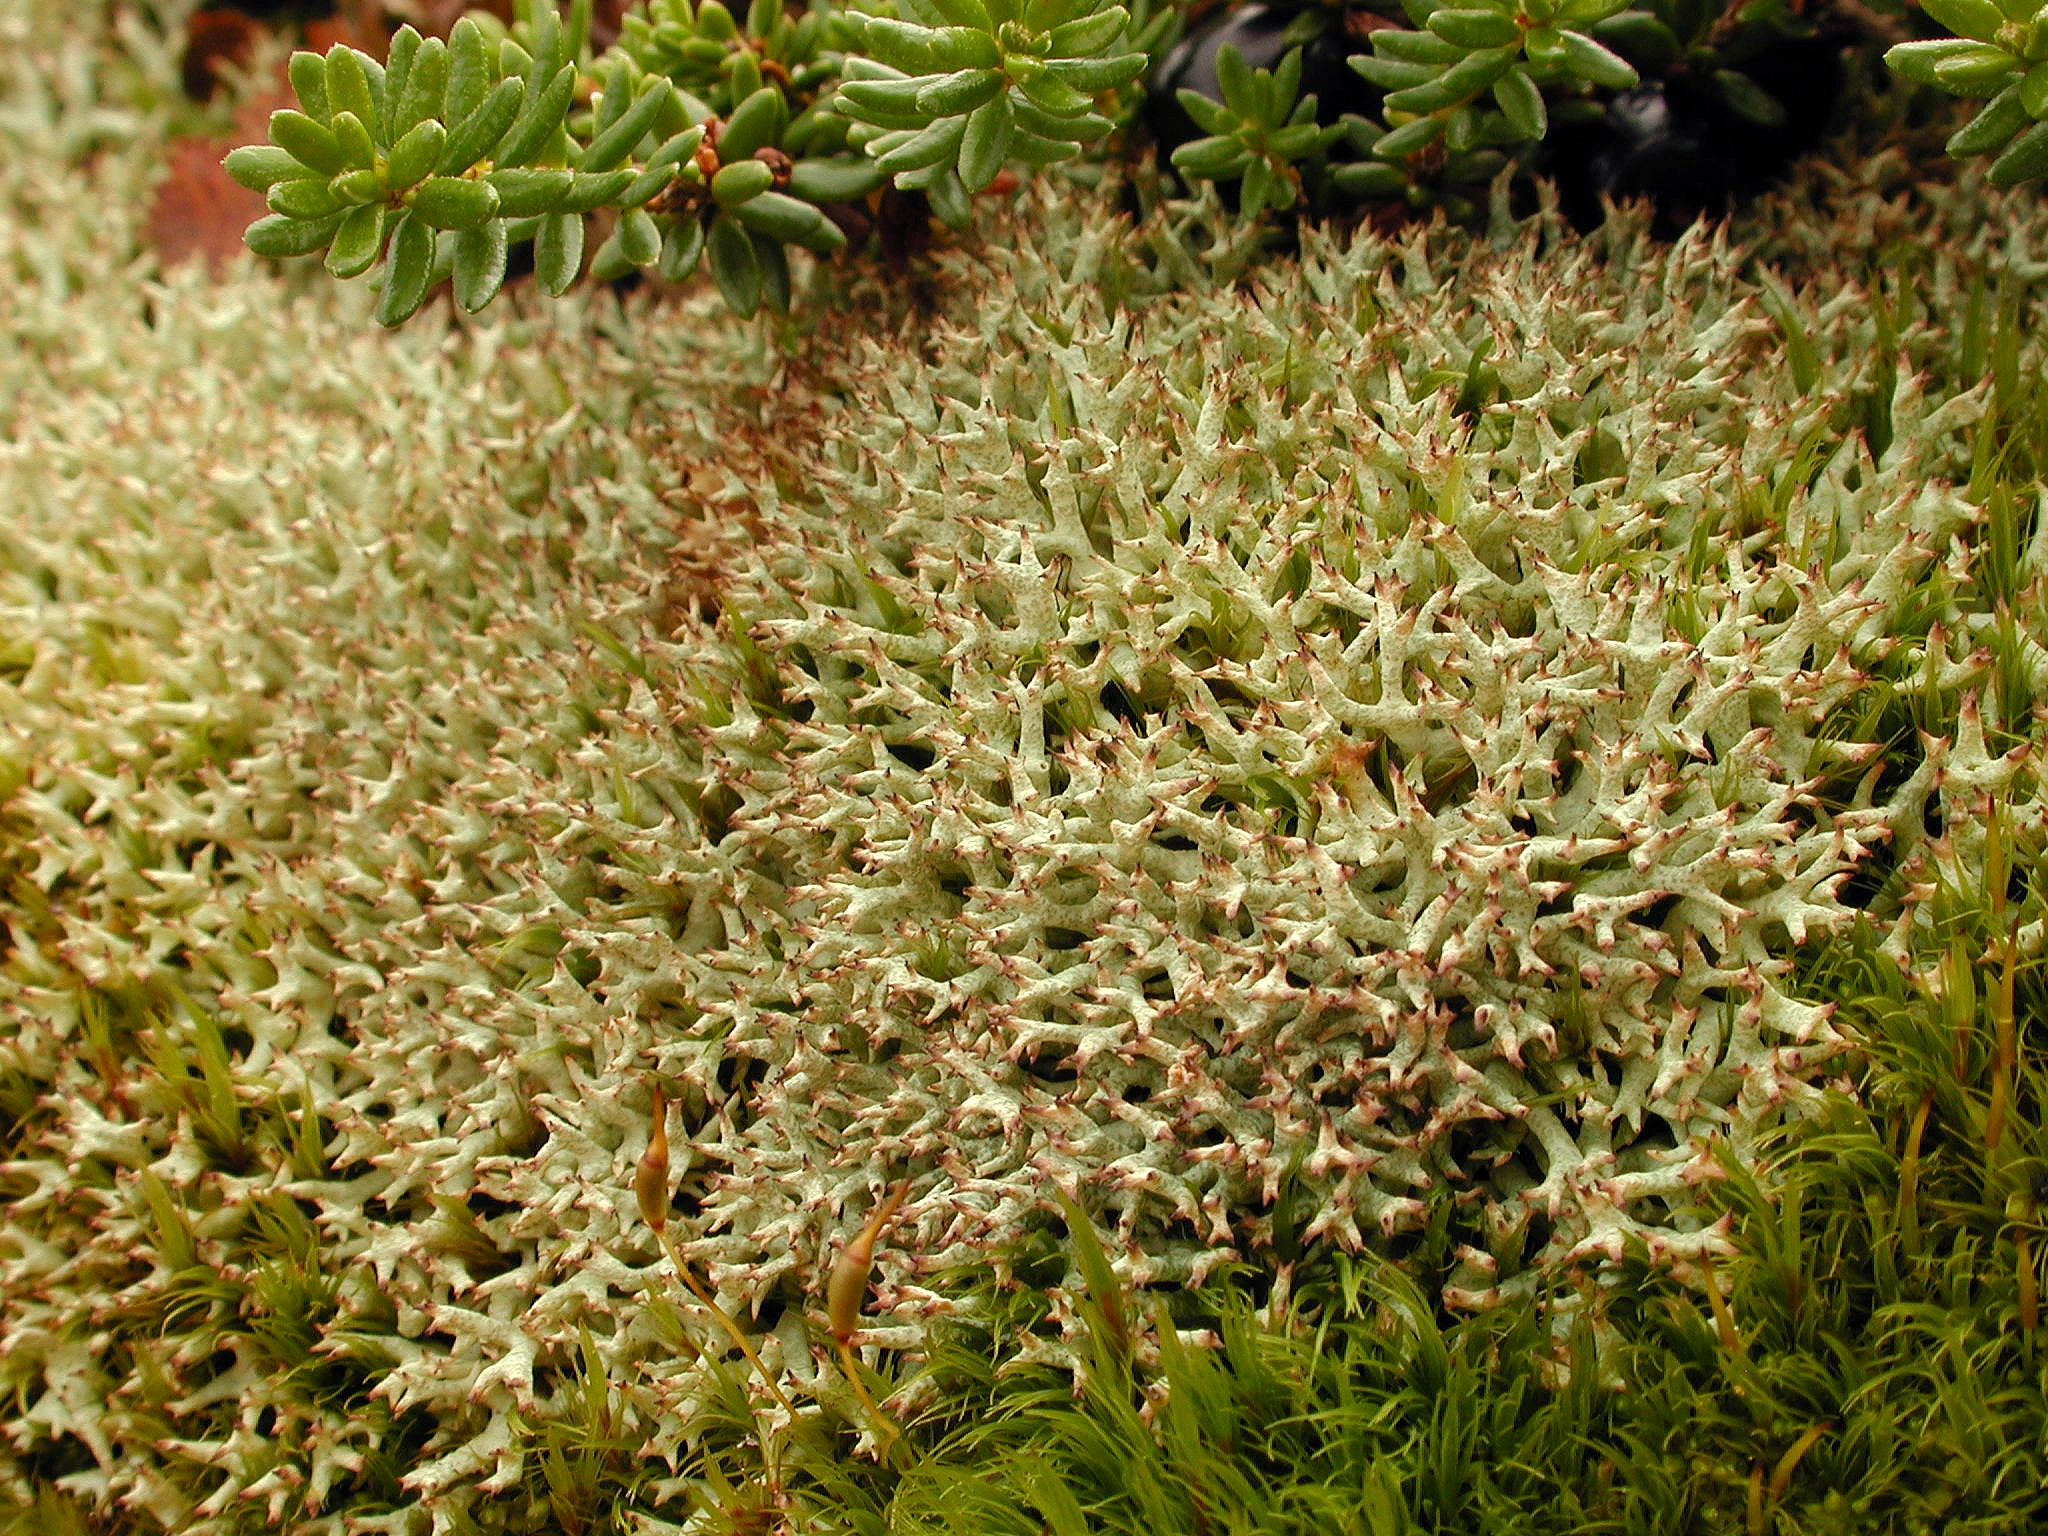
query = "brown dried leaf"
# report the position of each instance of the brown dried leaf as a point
(437, 18)
(215, 41)
(360, 23)
(200, 212)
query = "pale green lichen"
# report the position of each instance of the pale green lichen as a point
(1118, 728)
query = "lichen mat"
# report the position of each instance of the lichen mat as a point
(1154, 735)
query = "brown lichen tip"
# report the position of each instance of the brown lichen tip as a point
(650, 1178)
